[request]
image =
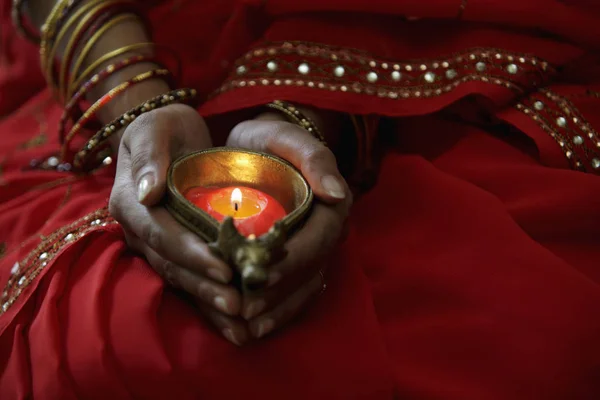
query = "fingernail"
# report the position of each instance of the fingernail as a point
(217, 275)
(265, 326)
(333, 187)
(228, 333)
(221, 304)
(254, 308)
(144, 186)
(274, 277)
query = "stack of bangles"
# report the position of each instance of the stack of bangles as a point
(73, 28)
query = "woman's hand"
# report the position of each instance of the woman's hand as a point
(147, 148)
(298, 278)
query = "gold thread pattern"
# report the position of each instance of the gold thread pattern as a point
(25, 271)
(322, 67)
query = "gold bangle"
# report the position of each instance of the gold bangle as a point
(92, 42)
(47, 59)
(91, 68)
(295, 116)
(48, 30)
(85, 9)
(70, 47)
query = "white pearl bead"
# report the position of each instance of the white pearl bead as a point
(372, 77)
(561, 121)
(512, 69)
(429, 77)
(107, 161)
(538, 105)
(303, 68)
(43, 256)
(69, 237)
(52, 161)
(4, 307)
(339, 71)
(480, 66)
(22, 281)
(15, 269)
(596, 163)
(578, 140)
(451, 74)
(396, 76)
(241, 70)
(272, 66)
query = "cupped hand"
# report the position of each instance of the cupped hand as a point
(147, 148)
(297, 279)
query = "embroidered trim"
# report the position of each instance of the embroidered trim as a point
(25, 271)
(349, 70)
(560, 119)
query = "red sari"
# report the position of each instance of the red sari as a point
(471, 270)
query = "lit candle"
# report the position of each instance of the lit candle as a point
(254, 212)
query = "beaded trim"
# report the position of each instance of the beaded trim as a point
(25, 271)
(348, 70)
(560, 119)
(297, 117)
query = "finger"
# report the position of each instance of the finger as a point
(152, 139)
(163, 234)
(316, 162)
(224, 299)
(255, 304)
(320, 234)
(233, 329)
(277, 317)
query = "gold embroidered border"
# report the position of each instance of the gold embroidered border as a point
(562, 121)
(348, 70)
(25, 271)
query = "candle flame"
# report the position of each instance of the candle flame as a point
(236, 198)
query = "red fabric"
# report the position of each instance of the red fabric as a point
(471, 270)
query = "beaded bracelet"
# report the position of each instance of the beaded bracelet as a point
(91, 84)
(98, 139)
(18, 21)
(297, 117)
(114, 92)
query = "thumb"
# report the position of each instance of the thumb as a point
(296, 145)
(148, 141)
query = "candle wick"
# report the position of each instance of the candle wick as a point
(235, 205)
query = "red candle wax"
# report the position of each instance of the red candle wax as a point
(254, 212)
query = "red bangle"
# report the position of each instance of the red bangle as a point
(93, 82)
(103, 101)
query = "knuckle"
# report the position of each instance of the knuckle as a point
(152, 236)
(315, 156)
(168, 271)
(140, 157)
